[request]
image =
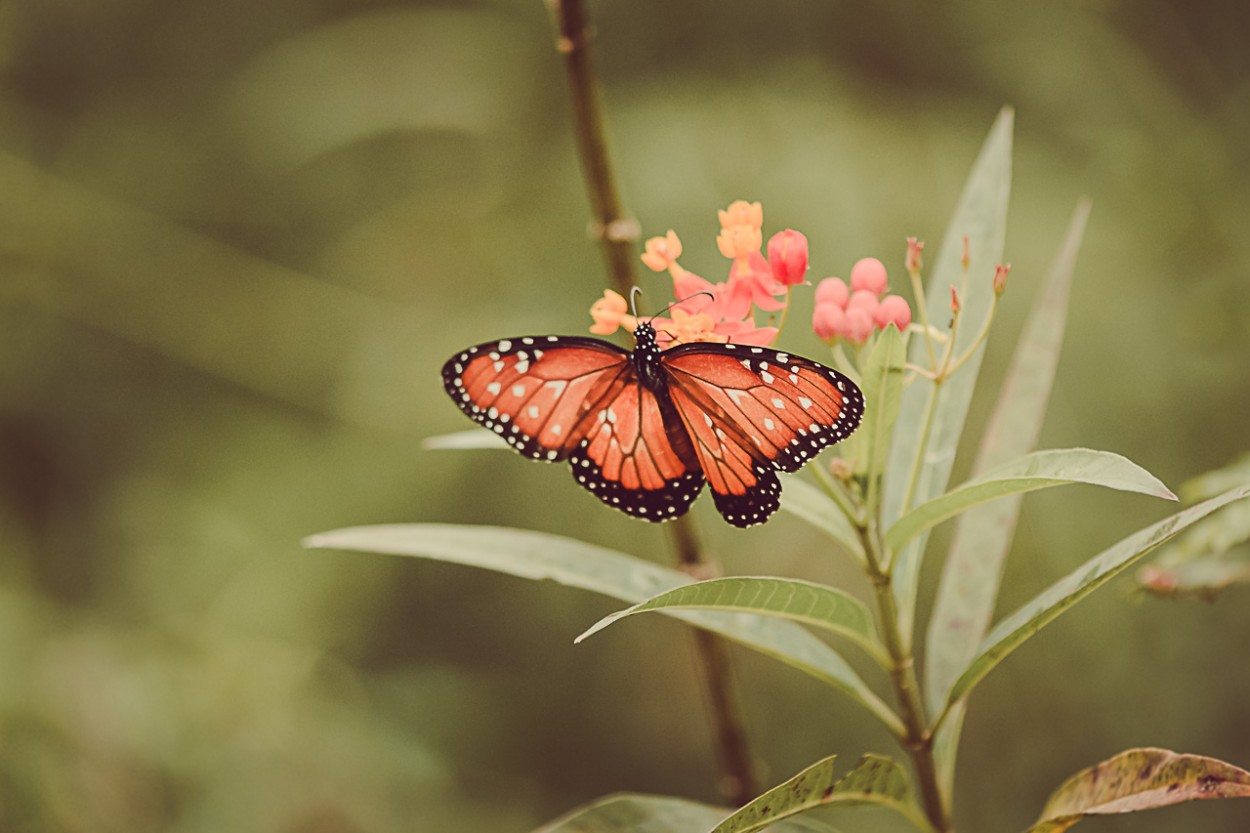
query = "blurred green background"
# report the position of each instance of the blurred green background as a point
(237, 241)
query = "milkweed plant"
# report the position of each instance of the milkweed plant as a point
(876, 496)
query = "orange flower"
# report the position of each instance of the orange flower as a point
(739, 241)
(742, 213)
(662, 252)
(609, 314)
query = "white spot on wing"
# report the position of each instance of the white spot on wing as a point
(505, 345)
(493, 388)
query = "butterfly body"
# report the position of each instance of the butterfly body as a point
(645, 430)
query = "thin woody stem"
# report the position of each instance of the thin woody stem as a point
(619, 235)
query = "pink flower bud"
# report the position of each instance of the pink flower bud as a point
(914, 260)
(858, 325)
(863, 299)
(828, 321)
(787, 255)
(954, 302)
(869, 273)
(832, 291)
(1000, 278)
(893, 309)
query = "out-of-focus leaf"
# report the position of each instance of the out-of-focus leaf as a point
(1039, 470)
(814, 506)
(1140, 779)
(537, 555)
(970, 578)
(1013, 631)
(981, 217)
(1201, 577)
(469, 439)
(883, 389)
(1208, 557)
(800, 601)
(874, 780)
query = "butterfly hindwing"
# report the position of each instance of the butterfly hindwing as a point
(633, 460)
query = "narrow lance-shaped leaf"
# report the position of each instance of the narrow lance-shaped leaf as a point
(874, 780)
(1140, 779)
(473, 438)
(536, 555)
(970, 578)
(981, 217)
(1039, 470)
(883, 389)
(799, 601)
(1013, 631)
(808, 502)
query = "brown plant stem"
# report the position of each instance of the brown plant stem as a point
(619, 235)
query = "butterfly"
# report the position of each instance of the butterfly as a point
(644, 430)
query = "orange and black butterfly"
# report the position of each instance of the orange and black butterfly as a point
(644, 430)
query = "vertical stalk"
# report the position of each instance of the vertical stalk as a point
(738, 780)
(918, 739)
(619, 235)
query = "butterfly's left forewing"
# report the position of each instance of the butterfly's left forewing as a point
(533, 390)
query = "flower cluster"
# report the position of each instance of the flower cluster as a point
(723, 311)
(854, 312)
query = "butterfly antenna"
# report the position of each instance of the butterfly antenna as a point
(633, 299)
(684, 300)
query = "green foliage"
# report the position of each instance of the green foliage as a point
(804, 602)
(971, 575)
(874, 780)
(920, 426)
(1039, 470)
(1213, 554)
(931, 417)
(535, 555)
(1012, 631)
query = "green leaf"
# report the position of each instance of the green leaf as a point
(883, 390)
(970, 578)
(981, 216)
(537, 555)
(1013, 631)
(1210, 556)
(799, 601)
(1039, 470)
(471, 438)
(814, 506)
(1140, 779)
(633, 813)
(874, 780)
